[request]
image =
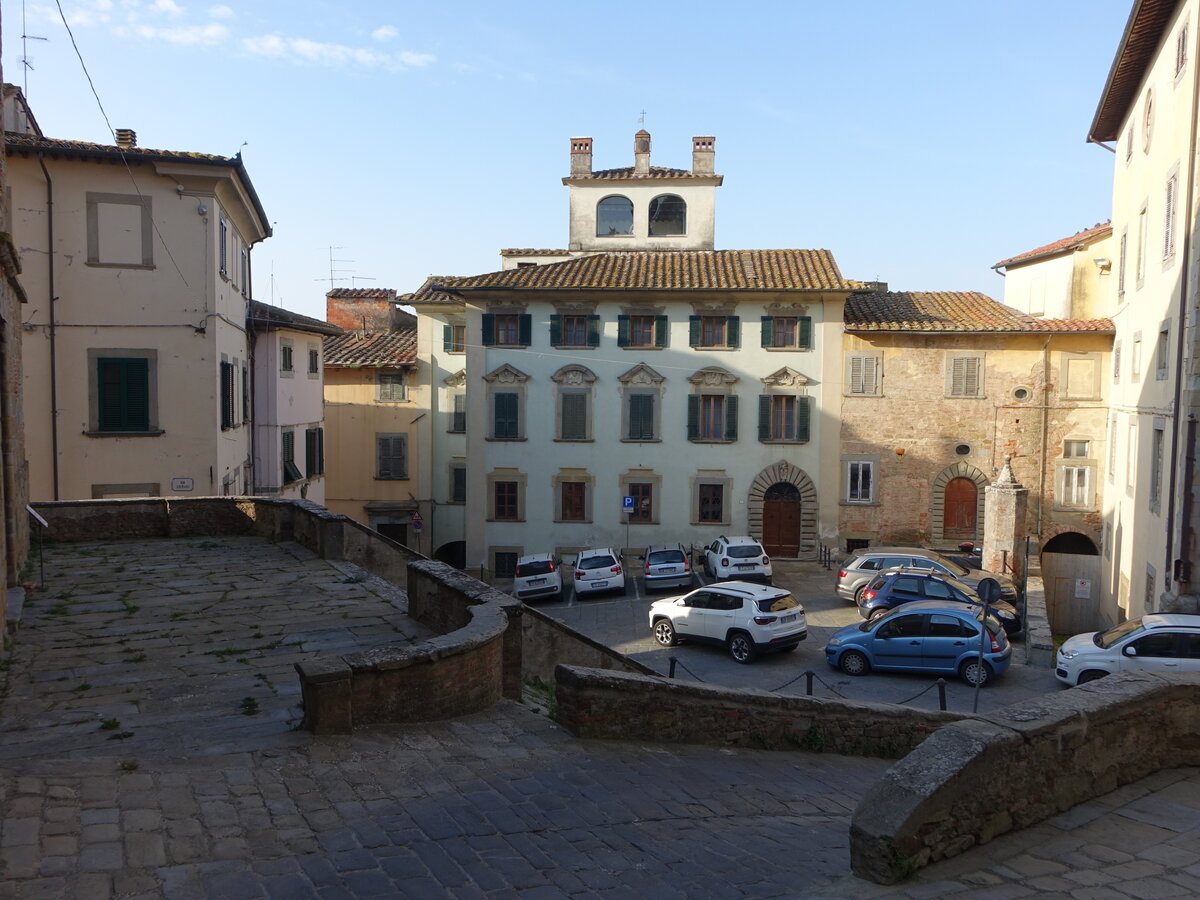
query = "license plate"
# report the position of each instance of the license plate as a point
(599, 584)
(667, 570)
(537, 580)
(791, 618)
(745, 565)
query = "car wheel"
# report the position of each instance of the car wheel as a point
(974, 672)
(854, 663)
(1089, 675)
(741, 648)
(664, 633)
(858, 594)
(877, 614)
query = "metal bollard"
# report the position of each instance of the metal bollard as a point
(809, 675)
(671, 674)
(941, 683)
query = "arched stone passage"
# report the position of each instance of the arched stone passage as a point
(1071, 542)
(784, 483)
(937, 512)
(453, 553)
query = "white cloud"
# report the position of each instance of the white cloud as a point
(384, 33)
(170, 7)
(304, 50)
(187, 35)
(220, 12)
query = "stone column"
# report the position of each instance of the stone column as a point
(1004, 524)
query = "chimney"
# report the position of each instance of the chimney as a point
(126, 137)
(581, 156)
(704, 150)
(641, 152)
(361, 309)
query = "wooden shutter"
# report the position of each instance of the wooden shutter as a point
(964, 377)
(525, 329)
(123, 394)
(227, 386)
(768, 331)
(310, 452)
(1169, 217)
(693, 331)
(556, 331)
(764, 414)
(660, 331)
(489, 329)
(733, 331)
(804, 338)
(593, 331)
(392, 455)
(731, 417)
(506, 421)
(447, 338)
(574, 417)
(459, 421)
(458, 483)
(803, 417)
(693, 417)
(641, 417)
(622, 331)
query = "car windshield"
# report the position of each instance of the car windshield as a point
(744, 551)
(951, 565)
(777, 604)
(660, 557)
(1105, 639)
(596, 562)
(537, 567)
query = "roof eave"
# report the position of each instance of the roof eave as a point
(1111, 112)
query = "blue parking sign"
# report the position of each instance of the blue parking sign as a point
(627, 504)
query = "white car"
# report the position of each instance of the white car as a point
(537, 576)
(598, 570)
(739, 557)
(747, 619)
(1157, 642)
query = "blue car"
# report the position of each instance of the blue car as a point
(928, 636)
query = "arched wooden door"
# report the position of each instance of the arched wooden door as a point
(961, 509)
(781, 520)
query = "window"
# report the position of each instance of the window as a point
(641, 417)
(575, 331)
(783, 417)
(314, 360)
(1140, 271)
(711, 508)
(964, 376)
(573, 501)
(668, 215)
(641, 389)
(643, 502)
(1075, 486)
(1162, 354)
(245, 276)
(1131, 455)
(245, 393)
(1129, 143)
(1169, 215)
(227, 389)
(120, 231)
(1075, 449)
(712, 417)
(285, 357)
(458, 417)
(507, 329)
(123, 394)
(458, 483)
(223, 246)
(505, 494)
(642, 331)
(1116, 362)
(1121, 263)
(506, 423)
(1157, 436)
(314, 452)
(1135, 355)
(573, 414)
(1181, 48)
(714, 331)
(288, 455)
(1112, 447)
(391, 456)
(393, 386)
(1079, 377)
(506, 402)
(787, 332)
(860, 481)
(1150, 603)
(614, 215)
(454, 338)
(504, 563)
(862, 375)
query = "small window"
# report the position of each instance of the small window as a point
(227, 395)
(391, 454)
(1162, 355)
(1121, 263)
(715, 331)
(640, 331)
(1076, 486)
(505, 500)
(668, 215)
(712, 417)
(614, 216)
(1169, 204)
(787, 332)
(862, 375)
(285, 356)
(454, 338)
(783, 417)
(965, 377)
(314, 361)
(458, 483)
(314, 452)
(458, 417)
(223, 246)
(506, 423)
(1076, 449)
(641, 417)
(392, 387)
(711, 504)
(860, 482)
(123, 393)
(504, 563)
(507, 329)
(643, 502)
(1157, 441)
(573, 499)
(574, 415)
(1181, 49)
(575, 331)
(288, 447)
(962, 449)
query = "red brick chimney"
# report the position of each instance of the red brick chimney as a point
(361, 309)
(581, 156)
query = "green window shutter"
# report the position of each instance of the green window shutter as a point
(555, 331)
(458, 483)
(447, 338)
(731, 417)
(660, 331)
(226, 395)
(489, 330)
(733, 331)
(123, 385)
(764, 417)
(641, 417)
(804, 339)
(693, 331)
(693, 418)
(392, 455)
(768, 331)
(574, 417)
(288, 446)
(459, 417)
(506, 416)
(320, 451)
(622, 331)
(803, 417)
(525, 329)
(310, 452)
(593, 336)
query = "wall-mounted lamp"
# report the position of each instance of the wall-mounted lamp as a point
(201, 210)
(899, 453)
(1103, 263)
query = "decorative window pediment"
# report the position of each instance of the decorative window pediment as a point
(641, 374)
(574, 376)
(727, 308)
(458, 379)
(506, 374)
(786, 309)
(713, 376)
(787, 377)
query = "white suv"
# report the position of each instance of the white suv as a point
(740, 556)
(1158, 642)
(747, 619)
(598, 570)
(537, 576)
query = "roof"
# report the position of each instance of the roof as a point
(25, 144)
(361, 293)
(669, 270)
(1143, 34)
(384, 349)
(523, 251)
(628, 173)
(1078, 241)
(962, 312)
(427, 294)
(266, 317)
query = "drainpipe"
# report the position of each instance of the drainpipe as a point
(1045, 419)
(53, 341)
(251, 346)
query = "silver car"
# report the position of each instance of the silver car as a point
(667, 566)
(863, 565)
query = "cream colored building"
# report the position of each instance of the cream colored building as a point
(1148, 113)
(136, 356)
(1066, 279)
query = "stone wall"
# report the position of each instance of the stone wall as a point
(547, 642)
(627, 707)
(979, 778)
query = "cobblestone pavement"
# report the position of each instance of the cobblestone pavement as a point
(189, 797)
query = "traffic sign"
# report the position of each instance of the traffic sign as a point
(627, 504)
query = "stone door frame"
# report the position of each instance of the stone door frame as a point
(937, 511)
(784, 471)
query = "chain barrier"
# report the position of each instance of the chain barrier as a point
(811, 676)
(676, 662)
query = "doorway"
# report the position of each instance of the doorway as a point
(781, 520)
(960, 510)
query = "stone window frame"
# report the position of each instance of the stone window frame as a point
(1065, 359)
(644, 476)
(954, 355)
(580, 381)
(715, 381)
(94, 355)
(574, 476)
(706, 477)
(1157, 459)
(94, 200)
(456, 463)
(287, 358)
(506, 474)
(314, 360)
(456, 386)
(848, 372)
(1162, 351)
(1062, 468)
(506, 379)
(641, 379)
(873, 460)
(787, 382)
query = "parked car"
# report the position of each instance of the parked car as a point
(740, 556)
(1158, 642)
(927, 636)
(537, 575)
(747, 619)
(598, 570)
(861, 566)
(667, 566)
(889, 589)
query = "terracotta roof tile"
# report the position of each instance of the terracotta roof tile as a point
(627, 173)
(361, 294)
(953, 311)
(426, 293)
(1148, 20)
(1077, 241)
(263, 315)
(670, 270)
(386, 349)
(522, 251)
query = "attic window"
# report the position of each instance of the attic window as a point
(614, 215)
(668, 215)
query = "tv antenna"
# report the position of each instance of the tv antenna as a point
(336, 274)
(26, 62)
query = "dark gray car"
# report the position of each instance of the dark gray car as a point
(861, 566)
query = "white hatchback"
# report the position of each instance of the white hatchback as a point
(598, 570)
(537, 576)
(1157, 642)
(747, 619)
(740, 556)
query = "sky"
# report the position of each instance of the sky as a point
(921, 142)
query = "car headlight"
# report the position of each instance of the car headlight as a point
(834, 642)
(1067, 654)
